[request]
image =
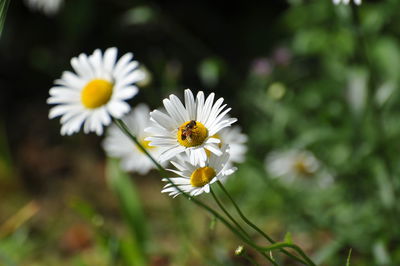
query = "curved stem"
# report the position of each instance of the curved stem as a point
(124, 128)
(228, 214)
(221, 206)
(292, 246)
(126, 131)
(247, 221)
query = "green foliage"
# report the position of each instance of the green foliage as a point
(134, 248)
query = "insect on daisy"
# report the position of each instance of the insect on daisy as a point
(118, 145)
(96, 92)
(195, 179)
(189, 128)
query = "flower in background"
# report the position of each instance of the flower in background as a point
(282, 56)
(291, 164)
(262, 67)
(346, 2)
(118, 145)
(96, 93)
(297, 165)
(48, 7)
(236, 140)
(195, 179)
(190, 128)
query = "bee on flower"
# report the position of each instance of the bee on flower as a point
(189, 128)
(295, 165)
(195, 179)
(96, 92)
(118, 145)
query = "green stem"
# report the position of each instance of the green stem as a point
(292, 246)
(247, 221)
(126, 131)
(121, 124)
(228, 214)
(221, 206)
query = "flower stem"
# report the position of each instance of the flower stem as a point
(247, 221)
(124, 128)
(221, 206)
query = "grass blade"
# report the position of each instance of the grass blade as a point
(3, 12)
(131, 208)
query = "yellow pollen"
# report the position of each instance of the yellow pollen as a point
(145, 144)
(202, 176)
(301, 167)
(96, 93)
(191, 133)
(217, 136)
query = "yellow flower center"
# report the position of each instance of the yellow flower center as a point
(301, 167)
(96, 93)
(145, 144)
(217, 136)
(192, 133)
(202, 176)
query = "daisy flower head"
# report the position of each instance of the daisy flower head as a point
(96, 92)
(189, 128)
(346, 2)
(291, 164)
(118, 145)
(194, 179)
(48, 7)
(236, 140)
(299, 166)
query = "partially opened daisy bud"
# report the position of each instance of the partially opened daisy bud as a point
(195, 179)
(189, 128)
(96, 92)
(118, 145)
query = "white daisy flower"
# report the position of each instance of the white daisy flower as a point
(118, 145)
(236, 140)
(346, 2)
(189, 128)
(291, 164)
(48, 7)
(96, 93)
(297, 165)
(195, 179)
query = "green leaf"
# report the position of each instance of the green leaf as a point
(288, 238)
(131, 208)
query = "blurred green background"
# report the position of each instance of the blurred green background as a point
(299, 75)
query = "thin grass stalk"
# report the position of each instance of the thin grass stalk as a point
(3, 12)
